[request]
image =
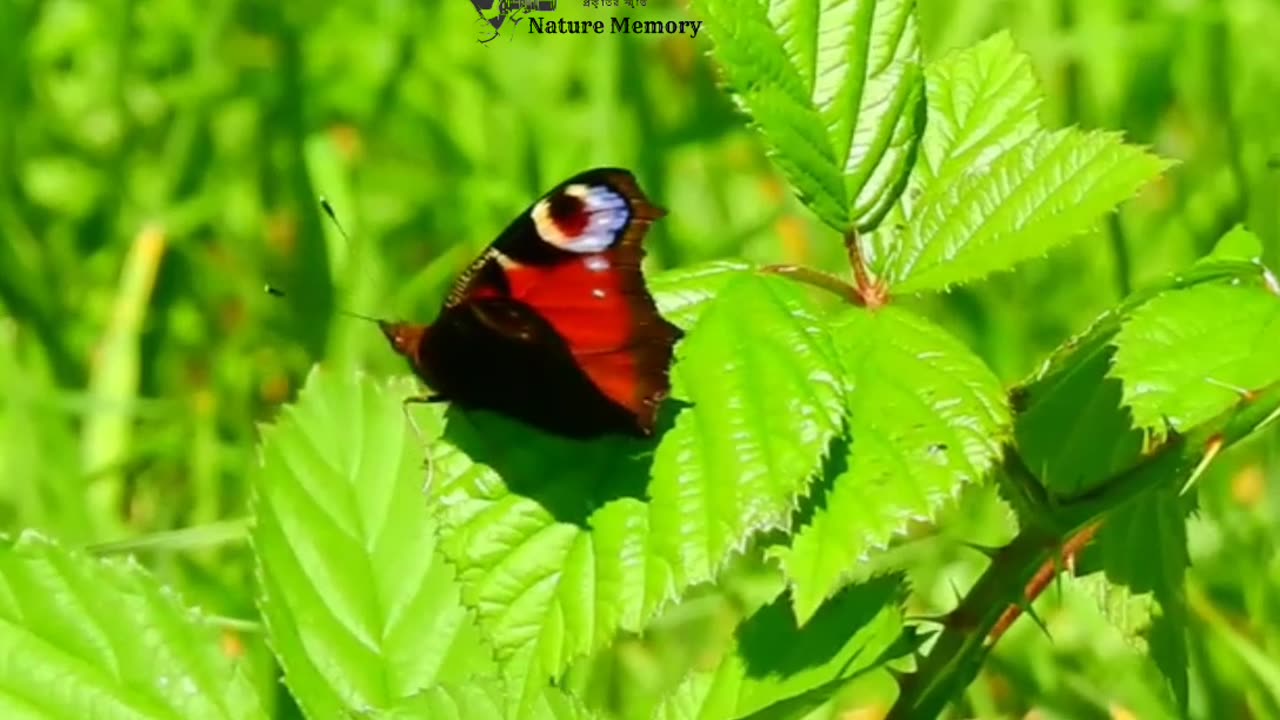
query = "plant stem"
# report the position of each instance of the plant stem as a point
(817, 279)
(1017, 571)
(873, 292)
(1043, 576)
(1120, 253)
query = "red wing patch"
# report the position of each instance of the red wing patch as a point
(610, 328)
(589, 310)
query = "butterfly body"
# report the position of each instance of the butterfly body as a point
(553, 324)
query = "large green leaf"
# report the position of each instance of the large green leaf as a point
(1143, 548)
(1189, 354)
(780, 670)
(83, 638)
(360, 608)
(836, 90)
(992, 187)
(767, 389)
(555, 546)
(926, 417)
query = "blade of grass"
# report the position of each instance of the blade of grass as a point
(1265, 669)
(114, 378)
(197, 537)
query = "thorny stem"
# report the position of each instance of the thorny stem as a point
(1018, 570)
(1043, 576)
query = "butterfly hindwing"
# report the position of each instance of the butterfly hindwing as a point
(499, 354)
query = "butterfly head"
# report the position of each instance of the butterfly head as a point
(405, 338)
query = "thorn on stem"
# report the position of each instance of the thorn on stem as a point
(1246, 395)
(1269, 279)
(1211, 450)
(941, 620)
(1030, 611)
(985, 550)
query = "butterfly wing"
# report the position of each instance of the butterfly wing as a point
(573, 260)
(499, 353)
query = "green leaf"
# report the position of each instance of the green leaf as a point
(1189, 354)
(777, 669)
(1073, 432)
(1238, 244)
(485, 698)
(683, 293)
(1130, 613)
(1072, 428)
(360, 608)
(476, 699)
(557, 549)
(1143, 547)
(926, 417)
(768, 396)
(993, 188)
(836, 89)
(81, 638)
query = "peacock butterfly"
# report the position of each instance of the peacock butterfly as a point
(553, 325)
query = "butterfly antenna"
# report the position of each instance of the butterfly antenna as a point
(276, 292)
(333, 217)
(328, 210)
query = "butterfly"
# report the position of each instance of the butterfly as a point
(553, 324)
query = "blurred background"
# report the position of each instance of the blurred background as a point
(161, 160)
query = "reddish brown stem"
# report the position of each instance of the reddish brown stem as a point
(872, 291)
(1066, 558)
(818, 280)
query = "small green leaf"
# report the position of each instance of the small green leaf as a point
(992, 188)
(836, 91)
(556, 547)
(1129, 612)
(1143, 547)
(81, 638)
(1189, 354)
(360, 608)
(777, 669)
(926, 417)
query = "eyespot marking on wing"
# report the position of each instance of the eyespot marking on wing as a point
(581, 218)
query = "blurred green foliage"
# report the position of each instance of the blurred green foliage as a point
(161, 161)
